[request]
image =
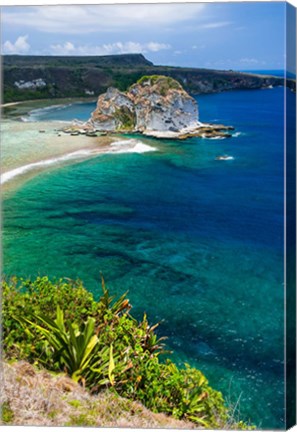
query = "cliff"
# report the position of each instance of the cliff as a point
(154, 103)
(95, 364)
(37, 77)
(38, 397)
(156, 106)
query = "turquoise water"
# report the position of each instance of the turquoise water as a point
(197, 242)
(67, 112)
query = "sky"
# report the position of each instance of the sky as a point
(239, 36)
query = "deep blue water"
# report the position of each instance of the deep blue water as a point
(197, 242)
(274, 72)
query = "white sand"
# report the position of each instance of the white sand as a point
(27, 151)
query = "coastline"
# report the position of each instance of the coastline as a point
(9, 104)
(16, 110)
(29, 148)
(220, 179)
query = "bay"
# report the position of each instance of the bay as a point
(197, 242)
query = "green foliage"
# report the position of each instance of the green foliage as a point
(99, 344)
(81, 420)
(75, 403)
(123, 79)
(7, 415)
(164, 82)
(72, 347)
(125, 117)
(21, 298)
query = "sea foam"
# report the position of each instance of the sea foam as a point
(237, 134)
(37, 114)
(9, 175)
(130, 146)
(123, 146)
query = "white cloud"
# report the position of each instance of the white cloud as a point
(65, 49)
(200, 46)
(251, 61)
(234, 63)
(75, 19)
(20, 46)
(68, 48)
(216, 24)
(155, 46)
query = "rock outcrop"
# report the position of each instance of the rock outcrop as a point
(155, 106)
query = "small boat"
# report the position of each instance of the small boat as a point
(42, 131)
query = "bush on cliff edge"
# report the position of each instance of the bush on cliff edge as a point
(101, 345)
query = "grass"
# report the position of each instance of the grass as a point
(7, 413)
(33, 396)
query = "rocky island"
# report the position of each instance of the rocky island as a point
(156, 106)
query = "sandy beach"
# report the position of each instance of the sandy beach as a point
(31, 147)
(28, 148)
(9, 104)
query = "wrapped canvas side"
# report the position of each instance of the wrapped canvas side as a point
(290, 224)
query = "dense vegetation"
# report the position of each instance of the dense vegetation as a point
(162, 80)
(81, 76)
(164, 83)
(125, 117)
(101, 346)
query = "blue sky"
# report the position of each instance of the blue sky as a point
(243, 36)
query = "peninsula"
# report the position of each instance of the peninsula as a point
(28, 77)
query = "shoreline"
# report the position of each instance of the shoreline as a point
(9, 104)
(18, 109)
(49, 102)
(29, 148)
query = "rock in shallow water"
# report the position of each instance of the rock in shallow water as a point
(154, 103)
(155, 106)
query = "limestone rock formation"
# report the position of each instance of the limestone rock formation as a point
(153, 104)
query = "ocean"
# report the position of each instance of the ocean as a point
(197, 242)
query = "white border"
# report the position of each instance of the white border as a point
(94, 2)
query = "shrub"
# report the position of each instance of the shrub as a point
(21, 298)
(99, 344)
(165, 82)
(125, 117)
(7, 415)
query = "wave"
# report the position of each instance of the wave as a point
(40, 111)
(37, 114)
(214, 138)
(225, 158)
(130, 146)
(25, 119)
(237, 134)
(125, 146)
(9, 175)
